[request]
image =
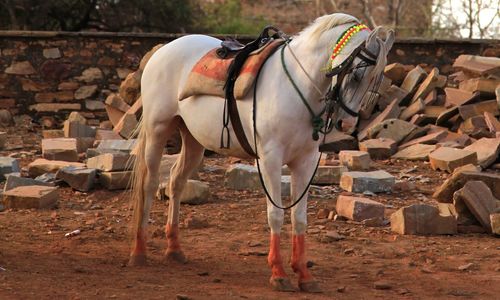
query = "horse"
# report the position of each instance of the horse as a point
(282, 123)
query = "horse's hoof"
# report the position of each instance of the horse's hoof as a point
(310, 287)
(137, 260)
(281, 284)
(175, 256)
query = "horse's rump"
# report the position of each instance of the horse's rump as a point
(209, 74)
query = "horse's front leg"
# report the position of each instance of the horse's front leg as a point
(271, 173)
(302, 170)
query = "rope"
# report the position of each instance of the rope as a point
(254, 117)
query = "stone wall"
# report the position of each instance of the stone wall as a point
(49, 74)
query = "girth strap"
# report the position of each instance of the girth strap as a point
(230, 106)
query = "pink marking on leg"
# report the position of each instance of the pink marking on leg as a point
(274, 258)
(299, 261)
(172, 231)
(140, 243)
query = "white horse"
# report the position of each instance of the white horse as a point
(283, 127)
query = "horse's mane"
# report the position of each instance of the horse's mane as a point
(322, 24)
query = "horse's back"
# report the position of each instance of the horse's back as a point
(168, 68)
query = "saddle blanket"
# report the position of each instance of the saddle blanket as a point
(209, 74)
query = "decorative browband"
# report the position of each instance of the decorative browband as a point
(345, 38)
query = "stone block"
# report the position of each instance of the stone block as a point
(359, 208)
(390, 112)
(130, 87)
(195, 192)
(242, 177)
(431, 82)
(413, 78)
(65, 149)
(445, 192)
(286, 185)
(336, 142)
(52, 134)
(80, 179)
(394, 129)
(422, 219)
(447, 159)
(495, 223)
(487, 151)
(415, 152)
(478, 109)
(27, 197)
(381, 148)
(428, 139)
(396, 72)
(479, 200)
(126, 126)
(492, 122)
(20, 68)
(375, 181)
(85, 91)
(117, 145)
(90, 75)
(8, 165)
(475, 127)
(457, 97)
(416, 107)
(478, 65)
(41, 166)
(115, 180)
(111, 162)
(104, 134)
(114, 115)
(355, 160)
(328, 174)
(117, 102)
(94, 105)
(16, 181)
(393, 93)
(483, 85)
(73, 129)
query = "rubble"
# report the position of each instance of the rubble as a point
(327, 175)
(479, 200)
(111, 162)
(41, 166)
(447, 159)
(80, 179)
(195, 192)
(64, 149)
(381, 148)
(445, 192)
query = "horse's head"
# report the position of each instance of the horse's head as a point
(357, 79)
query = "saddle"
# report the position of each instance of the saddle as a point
(229, 72)
(209, 76)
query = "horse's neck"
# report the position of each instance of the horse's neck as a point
(315, 58)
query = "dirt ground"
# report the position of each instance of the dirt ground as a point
(227, 257)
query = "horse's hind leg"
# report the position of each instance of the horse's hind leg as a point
(152, 140)
(302, 170)
(189, 159)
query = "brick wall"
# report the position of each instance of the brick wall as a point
(49, 74)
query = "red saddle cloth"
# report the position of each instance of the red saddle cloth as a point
(209, 74)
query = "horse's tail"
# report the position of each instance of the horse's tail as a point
(137, 180)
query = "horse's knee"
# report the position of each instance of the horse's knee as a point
(275, 219)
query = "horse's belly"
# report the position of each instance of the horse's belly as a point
(203, 116)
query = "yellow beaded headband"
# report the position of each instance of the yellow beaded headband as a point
(345, 37)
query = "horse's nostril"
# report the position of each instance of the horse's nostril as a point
(338, 125)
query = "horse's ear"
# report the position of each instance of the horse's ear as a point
(389, 40)
(372, 38)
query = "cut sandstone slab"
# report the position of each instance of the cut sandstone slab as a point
(416, 107)
(445, 192)
(381, 148)
(80, 179)
(41, 166)
(8, 165)
(413, 78)
(495, 223)
(487, 151)
(77, 130)
(242, 177)
(492, 122)
(328, 174)
(16, 181)
(359, 208)
(415, 152)
(117, 145)
(34, 196)
(447, 159)
(480, 201)
(195, 192)
(65, 149)
(375, 181)
(422, 219)
(355, 160)
(394, 129)
(115, 180)
(111, 162)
